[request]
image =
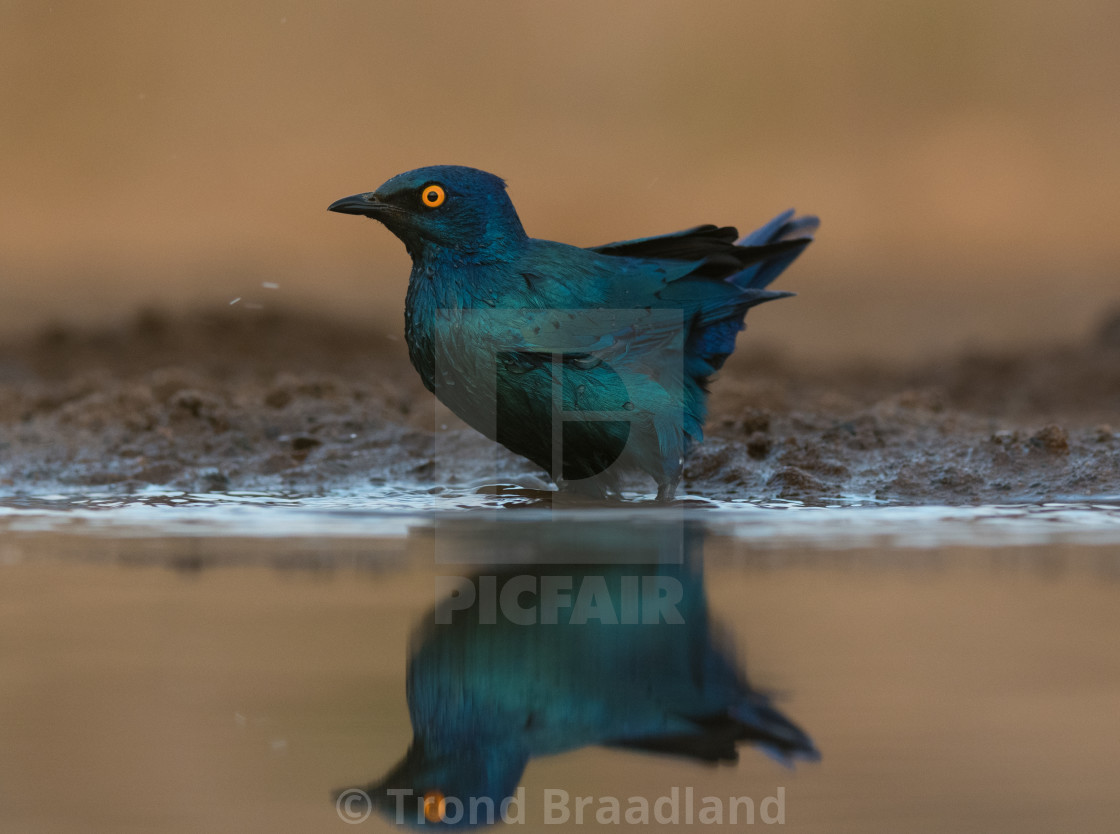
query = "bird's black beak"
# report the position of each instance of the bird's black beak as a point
(365, 204)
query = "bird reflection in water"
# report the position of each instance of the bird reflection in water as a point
(542, 657)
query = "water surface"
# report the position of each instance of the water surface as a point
(223, 663)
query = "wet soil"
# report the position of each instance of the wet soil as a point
(265, 400)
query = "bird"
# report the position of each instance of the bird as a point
(590, 362)
(487, 694)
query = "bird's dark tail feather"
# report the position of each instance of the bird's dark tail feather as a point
(753, 721)
(784, 227)
(773, 733)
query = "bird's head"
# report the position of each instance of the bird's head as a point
(448, 206)
(463, 788)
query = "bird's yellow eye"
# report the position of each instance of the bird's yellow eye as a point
(435, 806)
(433, 196)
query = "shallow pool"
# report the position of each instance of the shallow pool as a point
(184, 663)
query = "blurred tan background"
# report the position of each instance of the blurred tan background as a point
(963, 155)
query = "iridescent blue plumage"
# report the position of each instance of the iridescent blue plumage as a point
(623, 653)
(589, 362)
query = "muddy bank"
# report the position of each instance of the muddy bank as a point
(254, 400)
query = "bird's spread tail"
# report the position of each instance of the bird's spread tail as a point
(764, 254)
(785, 227)
(773, 733)
(714, 738)
(726, 279)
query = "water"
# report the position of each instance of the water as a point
(227, 662)
(392, 510)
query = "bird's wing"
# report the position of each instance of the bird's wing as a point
(626, 296)
(661, 326)
(589, 336)
(667, 308)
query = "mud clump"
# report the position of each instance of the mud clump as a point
(759, 445)
(791, 482)
(1052, 439)
(231, 400)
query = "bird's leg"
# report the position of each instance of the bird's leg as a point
(667, 490)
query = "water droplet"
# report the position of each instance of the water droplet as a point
(629, 406)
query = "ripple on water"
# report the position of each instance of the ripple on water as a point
(388, 510)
